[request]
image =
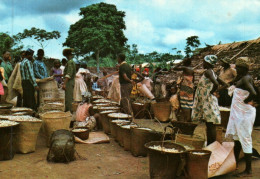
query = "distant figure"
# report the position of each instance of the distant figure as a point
(29, 84)
(186, 89)
(63, 64)
(69, 75)
(6, 64)
(126, 84)
(227, 74)
(80, 85)
(56, 71)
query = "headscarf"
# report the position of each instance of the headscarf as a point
(211, 59)
(243, 62)
(137, 69)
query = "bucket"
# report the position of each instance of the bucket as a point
(187, 139)
(114, 128)
(26, 137)
(224, 113)
(141, 110)
(162, 111)
(7, 142)
(197, 164)
(5, 109)
(141, 136)
(184, 127)
(165, 165)
(126, 133)
(105, 121)
(53, 121)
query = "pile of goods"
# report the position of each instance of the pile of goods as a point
(119, 115)
(20, 118)
(18, 111)
(164, 149)
(6, 123)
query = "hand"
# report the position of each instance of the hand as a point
(132, 81)
(64, 86)
(37, 88)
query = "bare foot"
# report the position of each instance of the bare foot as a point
(245, 174)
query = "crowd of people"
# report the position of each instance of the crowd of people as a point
(227, 86)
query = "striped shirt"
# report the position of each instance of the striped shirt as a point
(26, 69)
(39, 69)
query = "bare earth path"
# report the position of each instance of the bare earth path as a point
(103, 161)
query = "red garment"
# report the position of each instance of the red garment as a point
(1, 89)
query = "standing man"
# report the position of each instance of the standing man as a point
(29, 84)
(125, 83)
(6, 64)
(227, 74)
(19, 97)
(69, 75)
(40, 70)
(186, 89)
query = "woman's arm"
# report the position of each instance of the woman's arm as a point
(248, 83)
(209, 74)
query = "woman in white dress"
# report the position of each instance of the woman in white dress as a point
(80, 85)
(242, 114)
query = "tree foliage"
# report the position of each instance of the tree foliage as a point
(99, 31)
(9, 43)
(40, 35)
(192, 42)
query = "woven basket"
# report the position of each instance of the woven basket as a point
(162, 111)
(53, 121)
(187, 139)
(7, 142)
(197, 165)
(26, 137)
(184, 127)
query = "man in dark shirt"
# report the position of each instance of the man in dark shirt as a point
(126, 86)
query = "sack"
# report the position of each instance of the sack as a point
(82, 112)
(90, 123)
(62, 147)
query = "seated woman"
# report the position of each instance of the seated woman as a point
(242, 114)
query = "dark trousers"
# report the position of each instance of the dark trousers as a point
(19, 100)
(28, 95)
(125, 103)
(211, 132)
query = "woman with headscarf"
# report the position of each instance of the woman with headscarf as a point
(205, 106)
(80, 85)
(242, 114)
(69, 75)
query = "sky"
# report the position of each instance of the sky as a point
(154, 25)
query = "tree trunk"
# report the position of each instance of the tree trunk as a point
(97, 58)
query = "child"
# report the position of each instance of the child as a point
(57, 72)
(95, 85)
(174, 102)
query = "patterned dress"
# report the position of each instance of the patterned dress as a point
(186, 92)
(205, 106)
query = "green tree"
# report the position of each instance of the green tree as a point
(9, 43)
(99, 31)
(40, 35)
(192, 42)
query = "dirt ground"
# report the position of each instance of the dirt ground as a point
(102, 161)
